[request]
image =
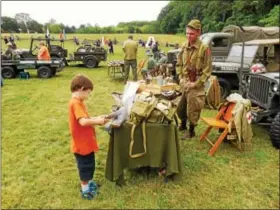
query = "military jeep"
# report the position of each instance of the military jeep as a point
(56, 51)
(228, 72)
(263, 91)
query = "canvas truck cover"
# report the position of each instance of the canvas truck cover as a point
(252, 32)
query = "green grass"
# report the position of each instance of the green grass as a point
(38, 170)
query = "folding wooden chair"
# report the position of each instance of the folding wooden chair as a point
(221, 121)
(140, 66)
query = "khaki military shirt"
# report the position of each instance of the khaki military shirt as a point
(151, 64)
(189, 57)
(130, 49)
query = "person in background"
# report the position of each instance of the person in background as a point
(43, 53)
(98, 43)
(9, 51)
(111, 47)
(6, 40)
(162, 63)
(156, 51)
(130, 48)
(150, 67)
(83, 136)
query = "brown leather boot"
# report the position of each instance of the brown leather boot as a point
(183, 125)
(189, 134)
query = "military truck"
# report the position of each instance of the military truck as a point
(221, 42)
(263, 91)
(45, 68)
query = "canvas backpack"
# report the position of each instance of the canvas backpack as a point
(148, 108)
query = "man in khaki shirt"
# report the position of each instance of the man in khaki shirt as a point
(195, 60)
(130, 58)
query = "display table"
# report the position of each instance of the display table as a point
(115, 67)
(163, 148)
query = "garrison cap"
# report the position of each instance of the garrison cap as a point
(195, 24)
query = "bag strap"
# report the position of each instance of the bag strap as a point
(132, 141)
(199, 55)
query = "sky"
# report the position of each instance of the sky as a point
(103, 13)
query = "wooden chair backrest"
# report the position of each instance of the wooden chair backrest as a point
(225, 112)
(140, 65)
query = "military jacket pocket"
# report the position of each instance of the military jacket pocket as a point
(185, 58)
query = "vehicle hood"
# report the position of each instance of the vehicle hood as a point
(272, 75)
(229, 64)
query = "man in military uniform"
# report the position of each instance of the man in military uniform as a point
(162, 63)
(10, 51)
(130, 48)
(150, 67)
(196, 67)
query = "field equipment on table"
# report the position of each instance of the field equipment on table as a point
(148, 108)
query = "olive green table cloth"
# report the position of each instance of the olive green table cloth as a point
(163, 149)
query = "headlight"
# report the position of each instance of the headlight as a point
(274, 87)
(247, 79)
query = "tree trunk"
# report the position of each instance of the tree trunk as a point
(26, 27)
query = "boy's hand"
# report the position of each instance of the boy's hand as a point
(103, 120)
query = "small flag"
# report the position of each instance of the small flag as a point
(64, 34)
(47, 33)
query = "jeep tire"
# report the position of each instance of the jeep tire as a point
(275, 131)
(44, 72)
(8, 72)
(225, 87)
(90, 62)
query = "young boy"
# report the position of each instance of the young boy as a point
(81, 125)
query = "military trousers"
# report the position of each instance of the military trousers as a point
(133, 65)
(191, 105)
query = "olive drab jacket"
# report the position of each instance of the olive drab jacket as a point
(198, 56)
(130, 48)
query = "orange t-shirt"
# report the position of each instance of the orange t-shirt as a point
(83, 137)
(44, 53)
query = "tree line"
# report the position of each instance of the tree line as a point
(172, 19)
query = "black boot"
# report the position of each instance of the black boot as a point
(189, 134)
(183, 125)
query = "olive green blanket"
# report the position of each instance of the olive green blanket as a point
(163, 149)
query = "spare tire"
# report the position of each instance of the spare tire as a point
(90, 62)
(225, 87)
(275, 131)
(8, 72)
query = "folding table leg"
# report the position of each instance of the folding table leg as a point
(205, 134)
(218, 142)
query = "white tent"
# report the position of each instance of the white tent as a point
(148, 41)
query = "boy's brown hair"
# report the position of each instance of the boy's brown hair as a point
(81, 81)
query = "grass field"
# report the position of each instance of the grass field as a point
(38, 170)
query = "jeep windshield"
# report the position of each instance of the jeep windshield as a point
(236, 53)
(205, 38)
